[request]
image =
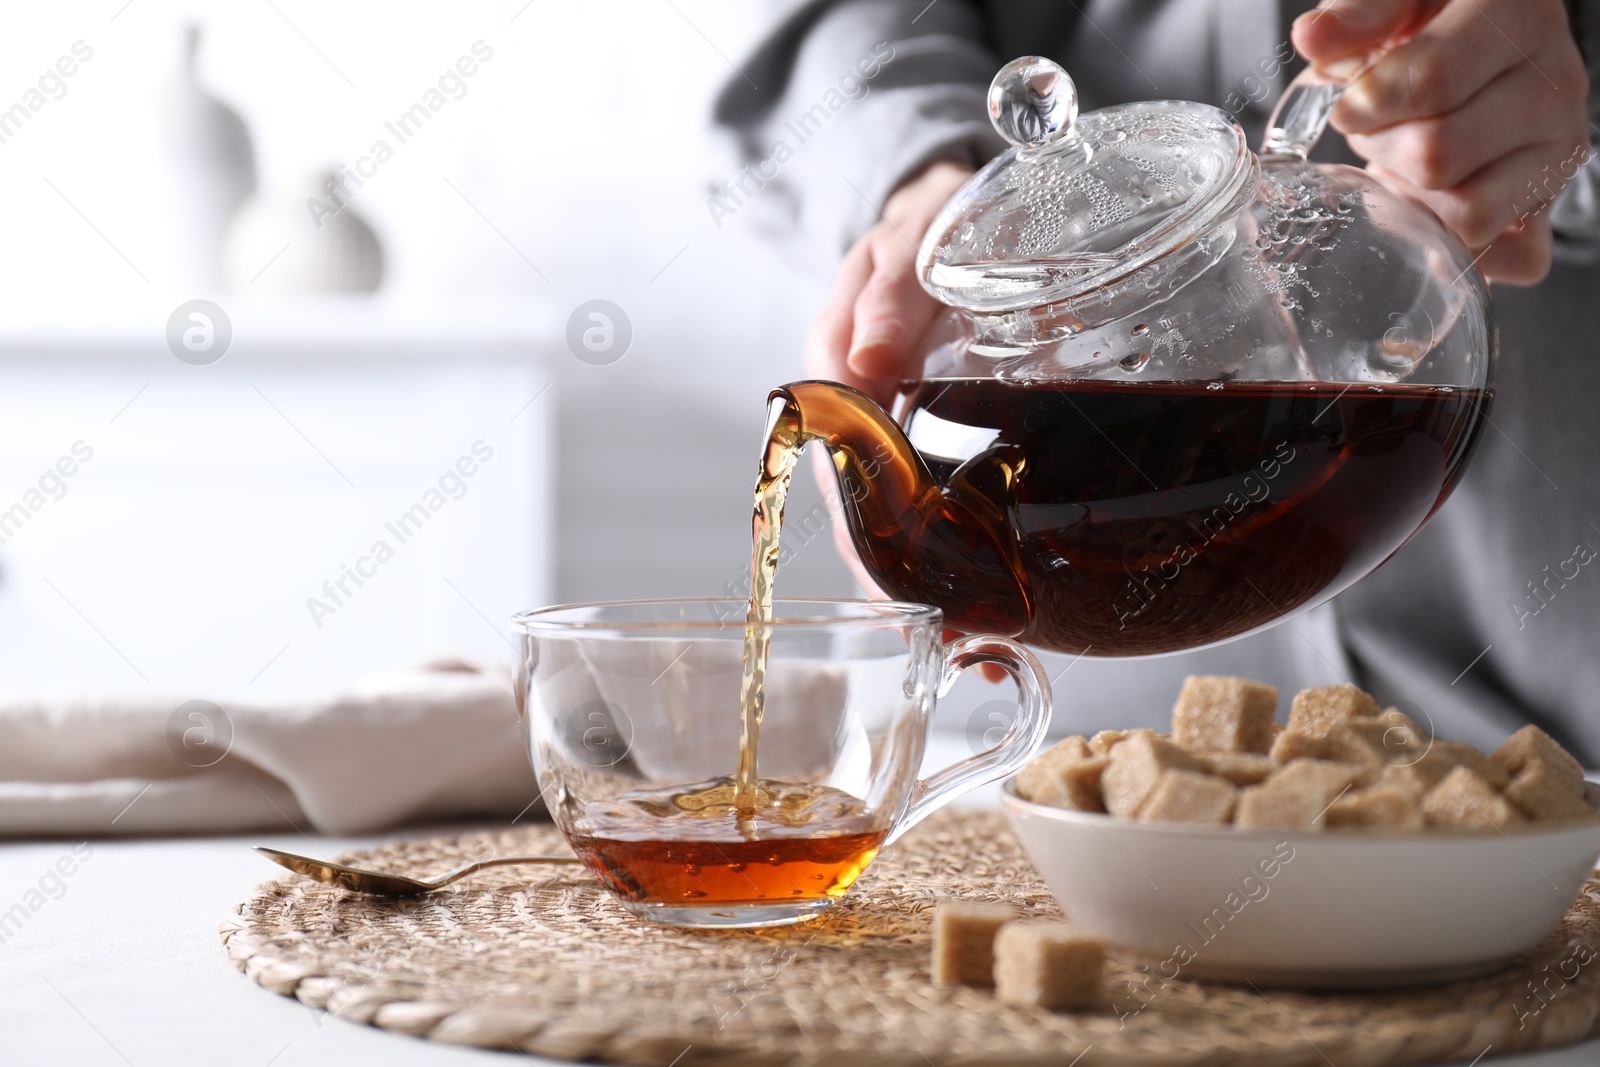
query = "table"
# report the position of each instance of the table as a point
(122, 965)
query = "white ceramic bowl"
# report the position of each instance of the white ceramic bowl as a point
(1337, 909)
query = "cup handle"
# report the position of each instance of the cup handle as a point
(1019, 743)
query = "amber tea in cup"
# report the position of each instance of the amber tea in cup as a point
(632, 713)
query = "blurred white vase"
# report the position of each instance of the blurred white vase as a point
(210, 170)
(310, 242)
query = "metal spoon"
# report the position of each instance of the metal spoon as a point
(383, 884)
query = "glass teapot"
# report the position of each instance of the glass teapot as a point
(1182, 391)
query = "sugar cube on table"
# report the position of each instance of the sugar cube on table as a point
(1037, 777)
(1540, 791)
(1222, 714)
(1054, 966)
(1135, 765)
(1241, 768)
(963, 941)
(1315, 711)
(1191, 797)
(1381, 807)
(1464, 800)
(1532, 745)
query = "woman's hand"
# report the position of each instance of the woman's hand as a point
(871, 323)
(878, 311)
(1480, 114)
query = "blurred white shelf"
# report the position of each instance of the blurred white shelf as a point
(360, 328)
(221, 501)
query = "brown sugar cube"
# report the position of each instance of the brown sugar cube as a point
(1135, 765)
(1191, 797)
(1103, 742)
(1318, 778)
(1297, 795)
(1373, 743)
(1347, 743)
(1418, 774)
(963, 941)
(1215, 713)
(1262, 807)
(1531, 743)
(1464, 755)
(1291, 745)
(1038, 777)
(1465, 800)
(1381, 807)
(1050, 965)
(1241, 768)
(1314, 711)
(1395, 719)
(1540, 792)
(1076, 786)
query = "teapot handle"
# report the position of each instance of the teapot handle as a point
(1301, 114)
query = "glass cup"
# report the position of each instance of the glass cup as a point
(631, 712)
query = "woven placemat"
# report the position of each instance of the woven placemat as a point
(543, 961)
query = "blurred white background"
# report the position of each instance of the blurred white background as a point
(573, 165)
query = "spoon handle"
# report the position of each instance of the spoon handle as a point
(505, 861)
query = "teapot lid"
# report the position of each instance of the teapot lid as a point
(1078, 201)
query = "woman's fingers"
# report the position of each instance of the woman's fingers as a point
(828, 345)
(1521, 255)
(1339, 28)
(892, 310)
(869, 329)
(1441, 151)
(1483, 213)
(1449, 60)
(1482, 207)
(1474, 107)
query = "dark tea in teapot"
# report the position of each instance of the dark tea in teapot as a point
(1131, 517)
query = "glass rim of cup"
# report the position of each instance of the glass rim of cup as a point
(872, 613)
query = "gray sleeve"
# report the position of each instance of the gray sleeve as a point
(840, 104)
(1575, 210)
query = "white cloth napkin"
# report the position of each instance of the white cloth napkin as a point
(428, 745)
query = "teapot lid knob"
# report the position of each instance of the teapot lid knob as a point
(1032, 102)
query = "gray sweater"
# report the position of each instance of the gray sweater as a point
(1490, 617)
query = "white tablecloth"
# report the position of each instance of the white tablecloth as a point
(123, 967)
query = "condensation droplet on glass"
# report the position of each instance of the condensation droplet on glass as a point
(1141, 329)
(1134, 361)
(1214, 386)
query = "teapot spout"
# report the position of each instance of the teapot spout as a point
(951, 546)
